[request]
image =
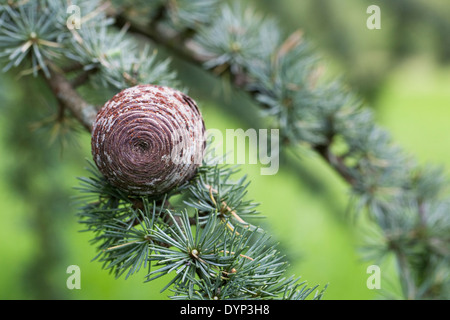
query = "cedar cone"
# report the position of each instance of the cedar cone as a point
(148, 139)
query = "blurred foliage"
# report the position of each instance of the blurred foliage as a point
(401, 69)
(366, 57)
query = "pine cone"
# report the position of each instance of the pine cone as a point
(148, 139)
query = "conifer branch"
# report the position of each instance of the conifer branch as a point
(187, 49)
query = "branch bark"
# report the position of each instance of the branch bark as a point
(69, 98)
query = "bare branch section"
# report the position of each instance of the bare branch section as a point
(69, 98)
(172, 40)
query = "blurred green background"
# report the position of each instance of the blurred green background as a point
(402, 71)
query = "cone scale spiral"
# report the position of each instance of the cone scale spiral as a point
(148, 139)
